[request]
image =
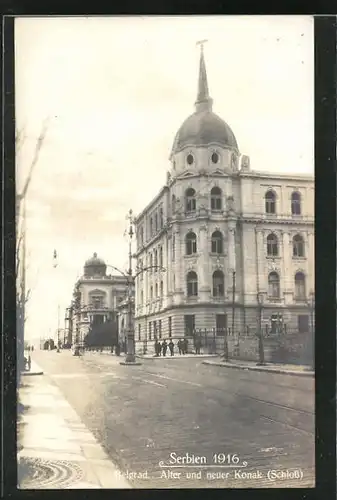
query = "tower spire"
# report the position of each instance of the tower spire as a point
(203, 102)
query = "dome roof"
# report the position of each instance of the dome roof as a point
(95, 264)
(94, 261)
(203, 128)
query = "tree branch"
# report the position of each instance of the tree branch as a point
(37, 150)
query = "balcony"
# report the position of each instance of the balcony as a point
(274, 300)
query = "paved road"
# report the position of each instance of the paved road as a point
(142, 414)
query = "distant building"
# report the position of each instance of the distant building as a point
(229, 237)
(96, 299)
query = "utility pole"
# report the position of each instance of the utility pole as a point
(130, 356)
(233, 304)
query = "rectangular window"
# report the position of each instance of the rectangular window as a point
(155, 329)
(189, 325)
(221, 324)
(170, 326)
(150, 330)
(161, 288)
(173, 248)
(139, 331)
(159, 328)
(303, 323)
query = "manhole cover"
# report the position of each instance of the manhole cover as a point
(35, 473)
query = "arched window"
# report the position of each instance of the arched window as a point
(272, 245)
(156, 290)
(191, 243)
(173, 248)
(150, 261)
(151, 292)
(155, 253)
(161, 256)
(296, 203)
(161, 288)
(274, 285)
(151, 226)
(190, 200)
(298, 246)
(218, 284)
(161, 218)
(270, 202)
(192, 284)
(217, 242)
(299, 286)
(156, 222)
(141, 236)
(216, 199)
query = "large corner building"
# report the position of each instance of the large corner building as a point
(232, 240)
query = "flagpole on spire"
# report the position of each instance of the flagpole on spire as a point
(203, 102)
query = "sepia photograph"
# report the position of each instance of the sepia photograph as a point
(165, 252)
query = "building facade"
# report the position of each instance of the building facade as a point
(96, 299)
(233, 240)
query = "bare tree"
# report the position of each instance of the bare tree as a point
(22, 295)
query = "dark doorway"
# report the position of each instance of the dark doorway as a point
(303, 323)
(189, 325)
(221, 324)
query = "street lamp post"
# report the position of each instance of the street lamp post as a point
(311, 305)
(233, 302)
(130, 358)
(226, 352)
(58, 328)
(260, 297)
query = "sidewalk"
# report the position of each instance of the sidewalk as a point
(176, 356)
(299, 370)
(34, 370)
(57, 451)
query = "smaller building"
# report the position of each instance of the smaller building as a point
(96, 298)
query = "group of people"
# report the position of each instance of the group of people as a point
(161, 347)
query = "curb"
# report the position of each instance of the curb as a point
(177, 357)
(258, 369)
(31, 374)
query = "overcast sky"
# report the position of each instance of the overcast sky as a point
(116, 90)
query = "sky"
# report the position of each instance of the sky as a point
(114, 92)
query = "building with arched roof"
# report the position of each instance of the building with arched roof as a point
(231, 238)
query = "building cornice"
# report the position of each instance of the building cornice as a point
(276, 175)
(278, 219)
(151, 204)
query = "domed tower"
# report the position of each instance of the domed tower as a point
(94, 267)
(204, 142)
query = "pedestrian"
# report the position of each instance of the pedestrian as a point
(159, 348)
(179, 346)
(156, 348)
(197, 346)
(171, 347)
(118, 349)
(164, 347)
(185, 346)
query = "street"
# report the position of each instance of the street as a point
(183, 414)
